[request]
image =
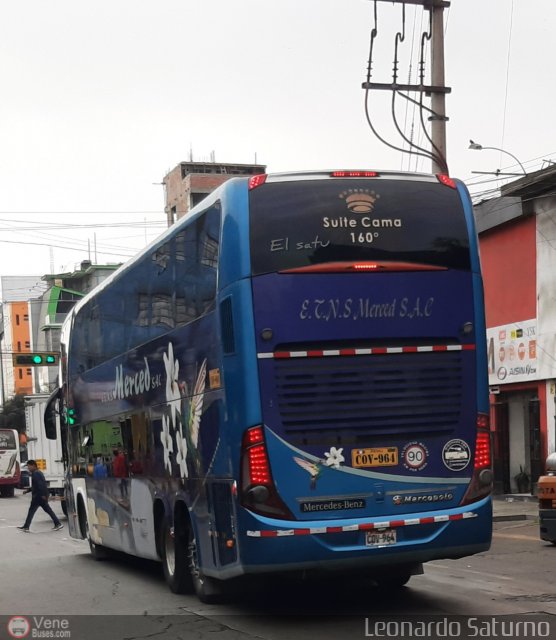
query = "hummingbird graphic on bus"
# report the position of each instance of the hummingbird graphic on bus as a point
(332, 460)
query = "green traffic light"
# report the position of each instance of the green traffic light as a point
(50, 359)
(37, 359)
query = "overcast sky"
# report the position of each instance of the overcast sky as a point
(99, 100)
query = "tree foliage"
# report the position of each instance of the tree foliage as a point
(13, 414)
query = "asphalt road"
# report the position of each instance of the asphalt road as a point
(47, 573)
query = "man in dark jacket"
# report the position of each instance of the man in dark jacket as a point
(39, 498)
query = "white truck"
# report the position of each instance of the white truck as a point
(47, 453)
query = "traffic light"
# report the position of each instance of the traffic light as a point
(70, 416)
(35, 359)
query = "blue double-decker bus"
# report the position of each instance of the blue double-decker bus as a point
(291, 378)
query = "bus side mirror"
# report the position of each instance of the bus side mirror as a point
(50, 414)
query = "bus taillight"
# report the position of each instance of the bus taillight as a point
(354, 174)
(481, 480)
(446, 180)
(482, 450)
(256, 181)
(259, 469)
(258, 492)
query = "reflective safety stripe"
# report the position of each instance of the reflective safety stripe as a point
(371, 351)
(364, 526)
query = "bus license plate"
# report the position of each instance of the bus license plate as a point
(380, 538)
(375, 457)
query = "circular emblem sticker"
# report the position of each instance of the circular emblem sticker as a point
(456, 455)
(18, 627)
(415, 456)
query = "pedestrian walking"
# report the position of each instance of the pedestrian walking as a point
(39, 489)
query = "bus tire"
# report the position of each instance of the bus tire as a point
(396, 578)
(7, 492)
(174, 560)
(208, 590)
(64, 506)
(97, 551)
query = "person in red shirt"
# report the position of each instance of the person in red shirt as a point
(119, 470)
(119, 465)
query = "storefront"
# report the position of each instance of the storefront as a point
(522, 405)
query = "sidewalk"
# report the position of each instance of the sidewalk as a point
(519, 506)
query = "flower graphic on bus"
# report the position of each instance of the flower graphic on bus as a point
(334, 457)
(173, 394)
(167, 443)
(181, 455)
(183, 422)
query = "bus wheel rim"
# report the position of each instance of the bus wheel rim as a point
(170, 553)
(193, 561)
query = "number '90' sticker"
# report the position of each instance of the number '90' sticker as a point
(415, 456)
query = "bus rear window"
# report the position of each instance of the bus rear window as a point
(299, 224)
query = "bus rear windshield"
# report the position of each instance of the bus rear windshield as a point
(300, 224)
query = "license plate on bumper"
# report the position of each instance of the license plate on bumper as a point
(380, 538)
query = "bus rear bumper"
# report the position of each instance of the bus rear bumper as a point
(273, 545)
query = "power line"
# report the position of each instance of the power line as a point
(57, 226)
(68, 248)
(507, 73)
(71, 212)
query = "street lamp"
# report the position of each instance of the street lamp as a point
(478, 147)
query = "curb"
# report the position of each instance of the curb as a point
(514, 518)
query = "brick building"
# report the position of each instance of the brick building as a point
(189, 182)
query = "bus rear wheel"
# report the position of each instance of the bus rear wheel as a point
(174, 560)
(208, 590)
(396, 578)
(97, 551)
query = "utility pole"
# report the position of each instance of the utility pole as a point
(437, 89)
(2, 394)
(438, 98)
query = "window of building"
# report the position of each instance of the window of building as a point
(17, 319)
